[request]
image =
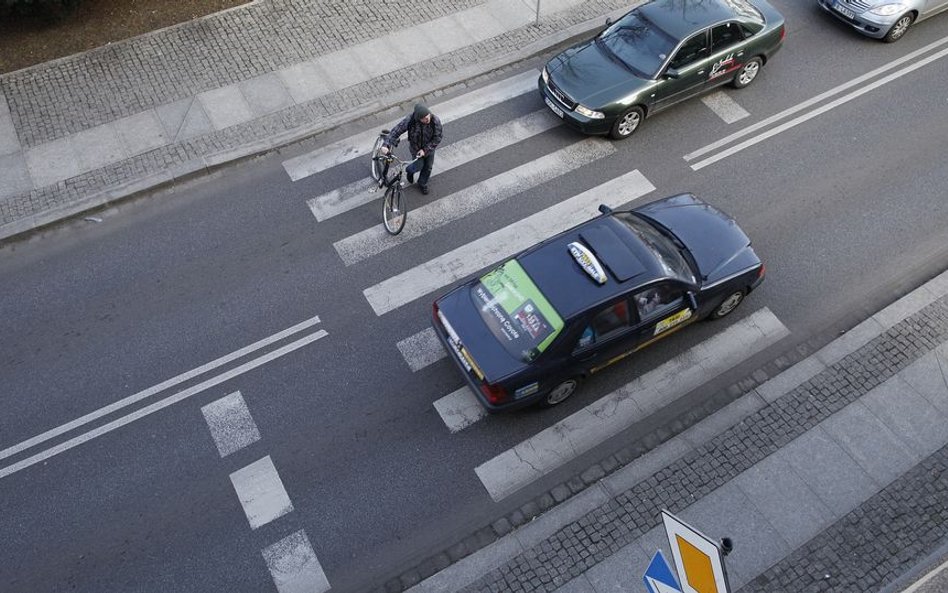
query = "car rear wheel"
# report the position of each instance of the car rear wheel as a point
(560, 393)
(727, 306)
(900, 27)
(748, 73)
(627, 123)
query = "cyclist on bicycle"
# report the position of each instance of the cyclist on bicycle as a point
(424, 135)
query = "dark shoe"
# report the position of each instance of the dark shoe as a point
(424, 189)
(411, 178)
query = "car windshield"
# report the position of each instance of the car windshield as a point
(638, 44)
(516, 312)
(670, 256)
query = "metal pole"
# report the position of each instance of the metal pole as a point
(538, 13)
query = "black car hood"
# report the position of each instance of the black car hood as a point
(716, 242)
(494, 361)
(591, 77)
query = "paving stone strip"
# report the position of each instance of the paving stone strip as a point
(65, 96)
(875, 543)
(579, 546)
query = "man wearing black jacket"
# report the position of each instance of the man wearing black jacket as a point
(424, 135)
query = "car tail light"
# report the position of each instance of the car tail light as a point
(783, 33)
(761, 271)
(495, 394)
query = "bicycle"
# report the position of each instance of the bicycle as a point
(376, 152)
(394, 204)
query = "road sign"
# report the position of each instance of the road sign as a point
(698, 559)
(658, 576)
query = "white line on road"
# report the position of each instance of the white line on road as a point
(230, 423)
(161, 404)
(261, 492)
(421, 349)
(122, 403)
(294, 566)
(725, 107)
(813, 101)
(460, 409)
(375, 239)
(551, 448)
(491, 248)
(361, 144)
(453, 155)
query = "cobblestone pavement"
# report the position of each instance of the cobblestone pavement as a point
(897, 513)
(86, 130)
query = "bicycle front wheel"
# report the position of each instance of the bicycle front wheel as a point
(394, 210)
(376, 164)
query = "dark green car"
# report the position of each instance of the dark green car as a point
(658, 54)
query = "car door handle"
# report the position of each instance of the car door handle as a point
(700, 71)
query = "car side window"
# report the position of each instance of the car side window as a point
(724, 36)
(610, 321)
(691, 51)
(656, 300)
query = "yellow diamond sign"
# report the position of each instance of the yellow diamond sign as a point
(697, 558)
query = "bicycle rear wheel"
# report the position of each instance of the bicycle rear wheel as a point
(394, 210)
(376, 164)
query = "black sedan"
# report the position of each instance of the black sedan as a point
(531, 329)
(659, 54)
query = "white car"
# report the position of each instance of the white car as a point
(887, 20)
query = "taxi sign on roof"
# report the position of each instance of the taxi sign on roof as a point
(587, 261)
(698, 559)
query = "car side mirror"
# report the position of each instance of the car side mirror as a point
(609, 20)
(603, 209)
(692, 301)
(672, 73)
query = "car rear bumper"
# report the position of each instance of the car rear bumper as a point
(866, 23)
(572, 119)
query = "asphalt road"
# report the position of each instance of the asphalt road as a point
(847, 209)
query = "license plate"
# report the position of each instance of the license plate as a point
(844, 11)
(553, 107)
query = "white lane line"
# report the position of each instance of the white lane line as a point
(261, 492)
(122, 403)
(358, 193)
(360, 144)
(816, 112)
(375, 239)
(813, 101)
(294, 566)
(551, 448)
(411, 284)
(421, 349)
(230, 423)
(460, 409)
(725, 107)
(161, 404)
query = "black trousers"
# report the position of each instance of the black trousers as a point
(425, 164)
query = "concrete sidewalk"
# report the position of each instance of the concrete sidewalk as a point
(93, 128)
(831, 476)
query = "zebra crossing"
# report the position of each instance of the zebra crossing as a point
(460, 409)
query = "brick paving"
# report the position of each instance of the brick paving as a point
(601, 533)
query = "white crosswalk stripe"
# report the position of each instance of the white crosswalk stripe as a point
(553, 447)
(421, 349)
(361, 144)
(375, 240)
(358, 193)
(460, 409)
(416, 282)
(725, 107)
(231, 425)
(261, 492)
(294, 566)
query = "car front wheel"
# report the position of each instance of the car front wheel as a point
(560, 393)
(727, 306)
(900, 27)
(748, 73)
(627, 123)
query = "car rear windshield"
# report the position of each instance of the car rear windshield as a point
(638, 43)
(747, 10)
(516, 312)
(670, 256)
